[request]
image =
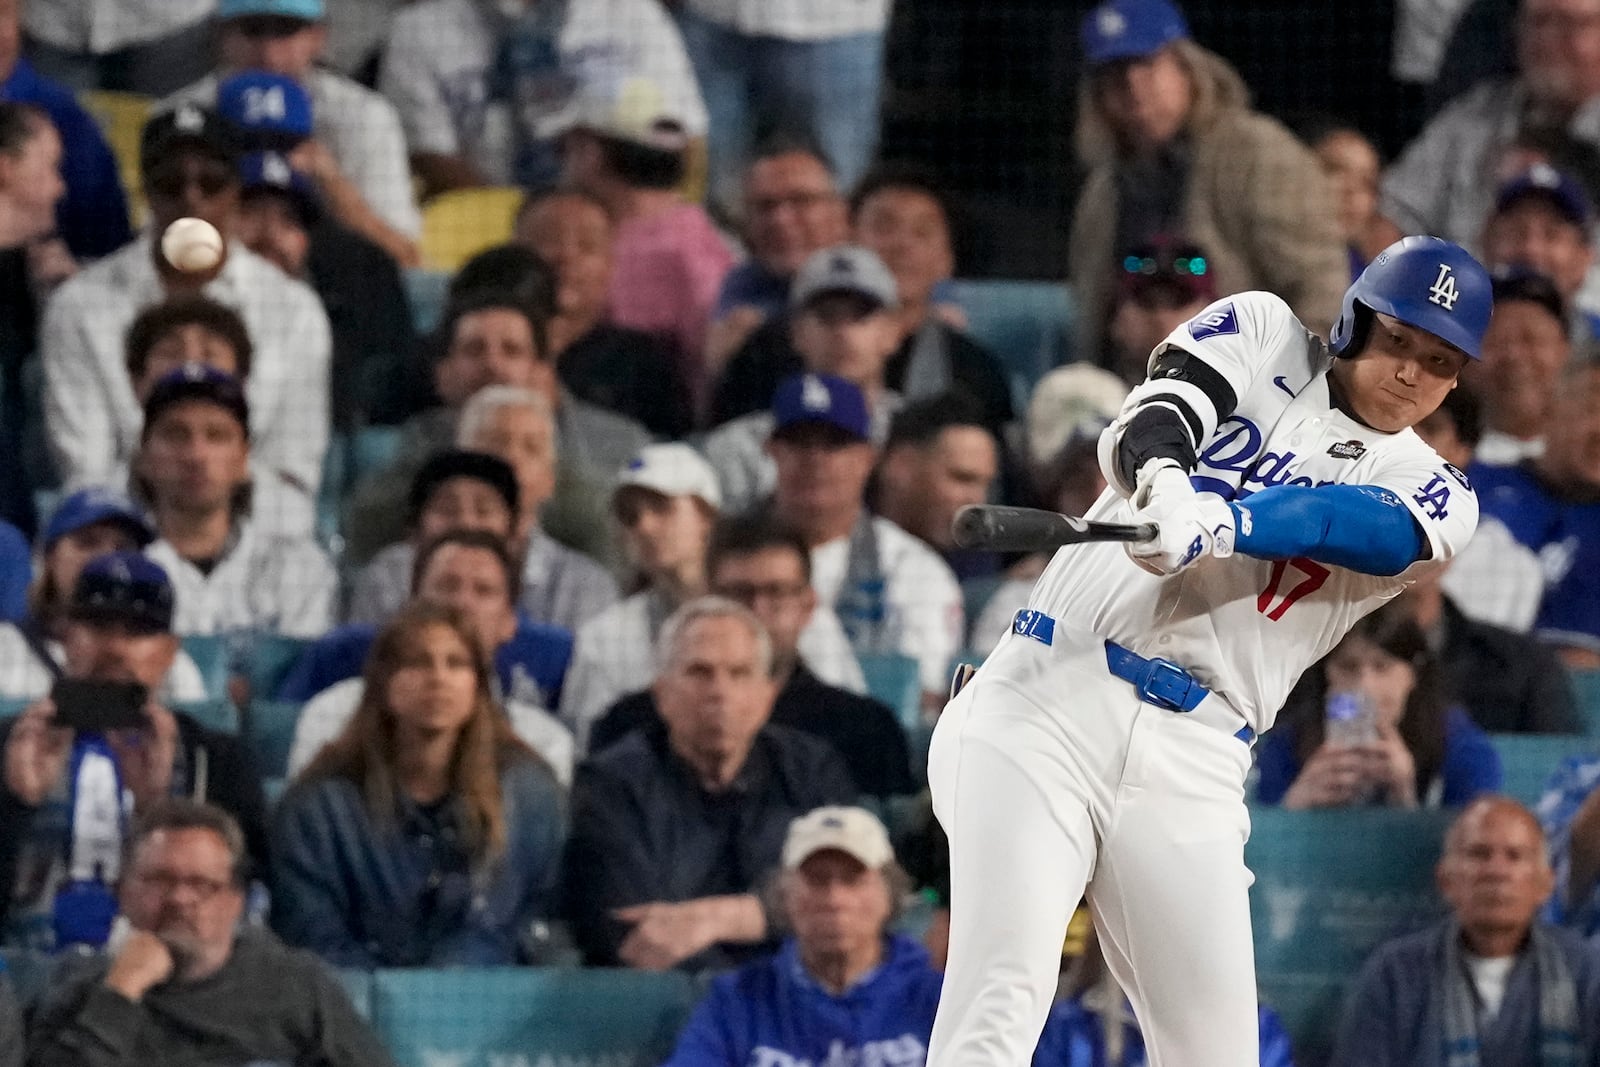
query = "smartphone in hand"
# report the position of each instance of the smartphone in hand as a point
(97, 706)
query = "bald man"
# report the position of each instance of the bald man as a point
(1490, 982)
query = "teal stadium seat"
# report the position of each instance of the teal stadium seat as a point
(269, 731)
(272, 790)
(426, 290)
(1027, 324)
(1586, 686)
(522, 1017)
(271, 658)
(211, 653)
(371, 450)
(893, 679)
(28, 972)
(219, 715)
(1530, 759)
(1330, 887)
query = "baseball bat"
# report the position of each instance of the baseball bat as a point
(1003, 529)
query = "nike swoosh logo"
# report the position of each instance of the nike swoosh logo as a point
(1282, 384)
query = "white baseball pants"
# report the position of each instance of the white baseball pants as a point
(1050, 776)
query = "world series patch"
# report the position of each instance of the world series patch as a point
(1347, 450)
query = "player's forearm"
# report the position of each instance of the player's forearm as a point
(1358, 527)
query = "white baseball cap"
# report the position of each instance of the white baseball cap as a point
(672, 470)
(627, 107)
(854, 831)
(1070, 403)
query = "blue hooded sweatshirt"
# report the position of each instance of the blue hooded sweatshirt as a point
(772, 1013)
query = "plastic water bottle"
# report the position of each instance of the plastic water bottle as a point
(1352, 718)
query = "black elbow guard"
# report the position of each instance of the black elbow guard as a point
(1155, 432)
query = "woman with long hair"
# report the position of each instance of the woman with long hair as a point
(426, 834)
(1372, 723)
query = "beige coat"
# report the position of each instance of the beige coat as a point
(1258, 203)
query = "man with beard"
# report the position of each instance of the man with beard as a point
(184, 979)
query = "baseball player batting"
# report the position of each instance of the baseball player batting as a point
(1103, 745)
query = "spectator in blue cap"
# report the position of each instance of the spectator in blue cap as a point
(892, 593)
(87, 524)
(1172, 146)
(841, 322)
(1540, 223)
(234, 575)
(119, 628)
(355, 153)
(282, 219)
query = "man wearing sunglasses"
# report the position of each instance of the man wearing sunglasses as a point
(1159, 285)
(93, 418)
(357, 153)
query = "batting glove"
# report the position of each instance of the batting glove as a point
(1190, 525)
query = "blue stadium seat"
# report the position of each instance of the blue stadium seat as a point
(475, 1018)
(1330, 887)
(12, 707)
(270, 660)
(371, 450)
(426, 290)
(1586, 686)
(269, 731)
(1027, 324)
(892, 678)
(219, 715)
(1530, 759)
(211, 653)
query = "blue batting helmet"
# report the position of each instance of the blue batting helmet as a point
(1426, 282)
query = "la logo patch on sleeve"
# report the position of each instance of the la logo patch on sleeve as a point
(1214, 323)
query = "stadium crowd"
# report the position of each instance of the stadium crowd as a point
(455, 579)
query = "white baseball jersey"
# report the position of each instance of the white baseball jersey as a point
(1247, 628)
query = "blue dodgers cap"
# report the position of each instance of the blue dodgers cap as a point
(1130, 29)
(197, 381)
(1556, 188)
(271, 172)
(265, 110)
(91, 507)
(821, 400)
(309, 10)
(123, 587)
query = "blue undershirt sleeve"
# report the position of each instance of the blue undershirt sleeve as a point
(1359, 527)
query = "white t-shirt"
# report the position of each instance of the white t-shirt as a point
(922, 599)
(102, 26)
(1489, 977)
(1248, 628)
(269, 581)
(440, 54)
(1503, 450)
(325, 716)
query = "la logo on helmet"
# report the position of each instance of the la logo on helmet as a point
(1444, 291)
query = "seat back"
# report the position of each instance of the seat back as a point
(893, 679)
(1330, 887)
(121, 117)
(1528, 760)
(458, 225)
(505, 1016)
(1028, 324)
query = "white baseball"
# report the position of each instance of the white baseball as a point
(192, 245)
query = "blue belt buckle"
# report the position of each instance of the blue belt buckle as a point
(1165, 684)
(1035, 625)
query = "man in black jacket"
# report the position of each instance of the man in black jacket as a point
(119, 629)
(764, 565)
(676, 826)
